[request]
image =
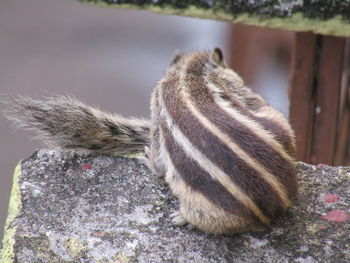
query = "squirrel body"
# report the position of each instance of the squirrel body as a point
(225, 153)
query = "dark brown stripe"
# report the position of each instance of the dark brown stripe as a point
(241, 174)
(279, 132)
(199, 180)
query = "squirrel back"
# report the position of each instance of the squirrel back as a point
(226, 154)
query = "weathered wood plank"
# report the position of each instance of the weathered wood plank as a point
(343, 138)
(328, 99)
(318, 16)
(301, 92)
(248, 58)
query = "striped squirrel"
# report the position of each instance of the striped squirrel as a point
(225, 153)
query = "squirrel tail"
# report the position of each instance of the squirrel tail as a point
(70, 124)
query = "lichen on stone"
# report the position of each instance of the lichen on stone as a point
(15, 206)
(318, 16)
(76, 249)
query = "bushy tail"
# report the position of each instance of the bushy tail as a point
(70, 124)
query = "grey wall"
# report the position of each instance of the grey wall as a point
(106, 57)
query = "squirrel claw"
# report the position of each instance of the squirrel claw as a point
(144, 160)
(177, 219)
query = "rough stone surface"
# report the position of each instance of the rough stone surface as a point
(319, 16)
(94, 208)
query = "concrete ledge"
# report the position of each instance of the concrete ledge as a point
(318, 16)
(93, 208)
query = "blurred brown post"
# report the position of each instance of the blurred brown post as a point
(328, 97)
(342, 156)
(301, 92)
(315, 97)
(251, 45)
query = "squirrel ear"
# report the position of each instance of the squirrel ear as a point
(176, 58)
(217, 56)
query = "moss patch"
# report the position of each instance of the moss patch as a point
(75, 248)
(15, 205)
(336, 25)
(134, 155)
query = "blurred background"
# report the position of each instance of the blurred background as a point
(112, 58)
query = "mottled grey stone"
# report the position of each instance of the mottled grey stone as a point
(94, 208)
(319, 16)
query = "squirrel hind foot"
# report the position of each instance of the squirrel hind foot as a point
(178, 219)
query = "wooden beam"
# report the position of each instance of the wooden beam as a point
(343, 137)
(328, 95)
(318, 109)
(301, 92)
